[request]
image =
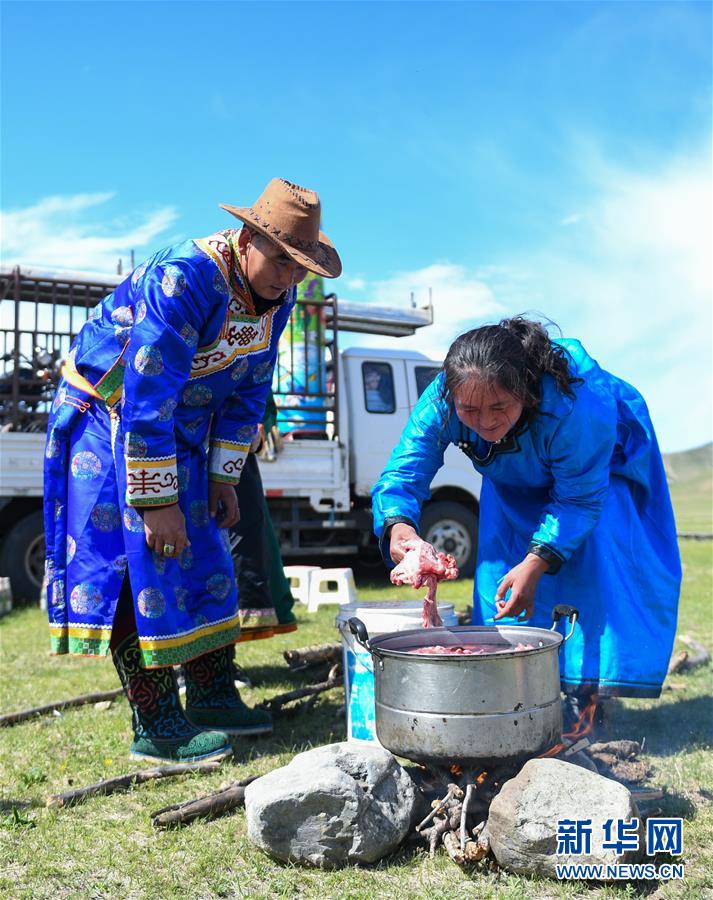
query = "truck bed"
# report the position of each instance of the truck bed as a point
(313, 469)
(21, 464)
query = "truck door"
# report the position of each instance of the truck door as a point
(378, 410)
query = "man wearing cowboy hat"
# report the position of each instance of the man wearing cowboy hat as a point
(177, 359)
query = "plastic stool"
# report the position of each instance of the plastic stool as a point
(319, 594)
(300, 578)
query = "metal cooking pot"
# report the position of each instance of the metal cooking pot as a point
(441, 709)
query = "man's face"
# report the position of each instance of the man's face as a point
(486, 408)
(269, 270)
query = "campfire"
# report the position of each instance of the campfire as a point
(460, 797)
(457, 818)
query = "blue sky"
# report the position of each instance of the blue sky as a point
(510, 156)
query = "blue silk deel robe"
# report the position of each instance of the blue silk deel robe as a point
(583, 486)
(162, 392)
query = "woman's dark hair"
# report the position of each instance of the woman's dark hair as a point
(514, 354)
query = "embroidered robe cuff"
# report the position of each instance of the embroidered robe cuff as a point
(549, 555)
(151, 481)
(226, 461)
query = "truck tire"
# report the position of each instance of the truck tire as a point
(23, 559)
(452, 528)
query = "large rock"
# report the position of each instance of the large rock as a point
(522, 823)
(336, 805)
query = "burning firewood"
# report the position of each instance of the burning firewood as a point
(463, 815)
(470, 852)
(440, 806)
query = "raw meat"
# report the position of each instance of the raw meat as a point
(424, 565)
(469, 650)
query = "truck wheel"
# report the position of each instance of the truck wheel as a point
(452, 528)
(23, 558)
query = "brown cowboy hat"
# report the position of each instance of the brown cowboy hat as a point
(289, 216)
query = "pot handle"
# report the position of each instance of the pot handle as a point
(358, 629)
(569, 612)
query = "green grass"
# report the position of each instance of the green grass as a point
(690, 476)
(107, 847)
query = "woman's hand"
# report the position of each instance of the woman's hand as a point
(522, 582)
(401, 534)
(165, 527)
(223, 504)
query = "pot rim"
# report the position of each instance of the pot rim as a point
(550, 640)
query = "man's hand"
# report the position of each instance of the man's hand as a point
(401, 533)
(522, 582)
(165, 527)
(223, 504)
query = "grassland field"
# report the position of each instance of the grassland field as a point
(107, 847)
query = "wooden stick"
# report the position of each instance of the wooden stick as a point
(463, 816)
(623, 749)
(434, 834)
(699, 655)
(24, 714)
(209, 807)
(124, 782)
(275, 704)
(685, 660)
(575, 748)
(438, 808)
(314, 655)
(646, 795)
(678, 662)
(474, 852)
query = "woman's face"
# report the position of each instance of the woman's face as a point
(486, 408)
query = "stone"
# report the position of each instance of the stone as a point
(332, 806)
(522, 823)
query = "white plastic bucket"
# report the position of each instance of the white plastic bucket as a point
(380, 617)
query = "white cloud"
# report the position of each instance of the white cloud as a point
(632, 281)
(60, 231)
(460, 300)
(355, 284)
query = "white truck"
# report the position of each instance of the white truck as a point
(318, 489)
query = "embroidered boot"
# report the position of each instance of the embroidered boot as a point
(161, 731)
(212, 700)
